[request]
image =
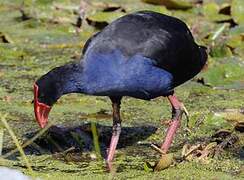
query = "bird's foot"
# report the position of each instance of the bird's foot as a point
(165, 122)
(175, 115)
(186, 113)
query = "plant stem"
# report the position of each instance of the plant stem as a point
(11, 133)
(95, 140)
(30, 141)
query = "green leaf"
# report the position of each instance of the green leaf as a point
(211, 12)
(220, 51)
(235, 41)
(237, 11)
(223, 72)
(237, 30)
(171, 4)
(240, 50)
(105, 16)
(148, 7)
(147, 167)
(165, 161)
(4, 38)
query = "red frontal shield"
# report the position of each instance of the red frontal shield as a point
(41, 110)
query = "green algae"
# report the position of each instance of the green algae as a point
(48, 39)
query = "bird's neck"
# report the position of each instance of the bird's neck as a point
(68, 79)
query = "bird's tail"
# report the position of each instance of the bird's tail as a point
(203, 56)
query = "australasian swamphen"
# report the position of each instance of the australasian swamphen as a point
(142, 55)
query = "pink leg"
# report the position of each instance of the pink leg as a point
(116, 131)
(113, 145)
(176, 117)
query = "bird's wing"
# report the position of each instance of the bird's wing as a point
(147, 33)
(86, 45)
(164, 39)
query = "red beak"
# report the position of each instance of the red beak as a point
(41, 110)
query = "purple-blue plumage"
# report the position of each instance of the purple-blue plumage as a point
(113, 74)
(142, 55)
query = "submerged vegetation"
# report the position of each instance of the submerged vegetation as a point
(36, 36)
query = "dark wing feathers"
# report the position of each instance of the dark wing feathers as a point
(165, 39)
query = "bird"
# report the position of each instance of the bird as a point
(142, 55)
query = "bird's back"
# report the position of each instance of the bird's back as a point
(164, 39)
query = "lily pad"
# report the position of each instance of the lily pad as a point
(148, 7)
(211, 11)
(235, 41)
(4, 38)
(165, 161)
(225, 9)
(237, 11)
(105, 16)
(232, 115)
(148, 167)
(237, 30)
(171, 4)
(220, 50)
(239, 51)
(223, 72)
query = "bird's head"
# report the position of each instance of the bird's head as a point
(46, 94)
(51, 86)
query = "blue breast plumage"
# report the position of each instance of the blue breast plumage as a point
(137, 76)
